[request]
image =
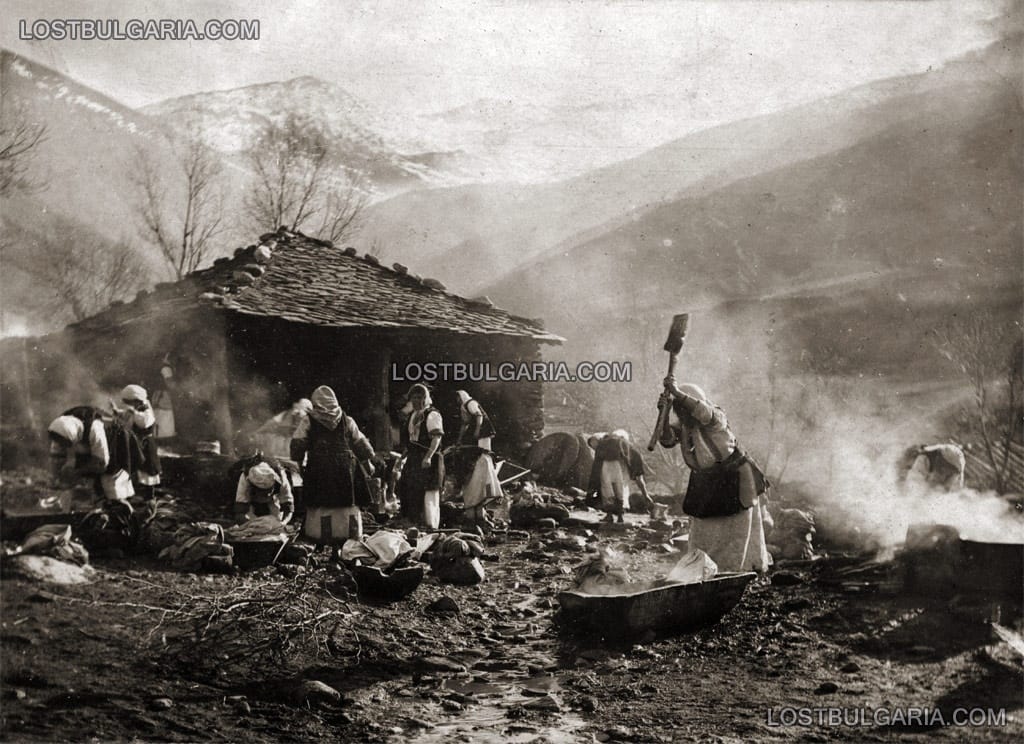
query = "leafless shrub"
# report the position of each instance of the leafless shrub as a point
(297, 185)
(20, 140)
(80, 274)
(988, 354)
(181, 213)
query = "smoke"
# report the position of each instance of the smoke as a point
(865, 500)
(828, 436)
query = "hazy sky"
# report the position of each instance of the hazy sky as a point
(427, 55)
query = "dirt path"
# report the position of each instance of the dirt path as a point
(89, 662)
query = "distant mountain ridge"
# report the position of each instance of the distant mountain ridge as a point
(473, 234)
(231, 121)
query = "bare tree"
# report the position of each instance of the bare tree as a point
(20, 139)
(184, 218)
(296, 186)
(987, 352)
(82, 276)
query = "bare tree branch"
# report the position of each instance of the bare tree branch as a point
(83, 275)
(183, 219)
(986, 353)
(19, 143)
(295, 185)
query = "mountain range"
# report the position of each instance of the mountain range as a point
(849, 226)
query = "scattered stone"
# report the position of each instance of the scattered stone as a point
(312, 692)
(547, 523)
(826, 688)
(547, 704)
(290, 571)
(797, 603)
(419, 723)
(18, 694)
(539, 686)
(620, 733)
(443, 606)
(295, 554)
(440, 664)
(161, 703)
(785, 578)
(850, 667)
(588, 704)
(451, 706)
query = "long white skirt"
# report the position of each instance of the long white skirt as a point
(735, 543)
(483, 484)
(614, 486)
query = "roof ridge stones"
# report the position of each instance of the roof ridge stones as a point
(286, 275)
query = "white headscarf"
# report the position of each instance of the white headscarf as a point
(325, 407)
(693, 391)
(420, 387)
(464, 397)
(70, 428)
(133, 393)
(262, 475)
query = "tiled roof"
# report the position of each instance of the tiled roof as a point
(304, 280)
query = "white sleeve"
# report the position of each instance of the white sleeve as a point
(144, 419)
(242, 492)
(98, 446)
(435, 424)
(474, 408)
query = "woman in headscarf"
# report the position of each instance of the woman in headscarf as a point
(274, 437)
(423, 472)
(264, 490)
(140, 419)
(616, 463)
(724, 492)
(332, 444)
(476, 428)
(83, 445)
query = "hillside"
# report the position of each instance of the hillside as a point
(472, 234)
(849, 258)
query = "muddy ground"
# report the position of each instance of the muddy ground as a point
(107, 661)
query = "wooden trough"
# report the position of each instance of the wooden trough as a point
(659, 607)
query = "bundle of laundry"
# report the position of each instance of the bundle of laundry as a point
(198, 545)
(55, 541)
(455, 559)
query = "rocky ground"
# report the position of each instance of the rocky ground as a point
(121, 658)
